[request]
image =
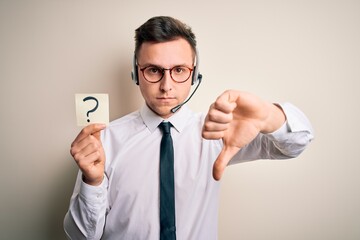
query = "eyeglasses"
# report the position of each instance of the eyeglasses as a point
(154, 74)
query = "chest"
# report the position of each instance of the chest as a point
(133, 163)
(133, 172)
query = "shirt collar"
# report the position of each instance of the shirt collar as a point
(178, 119)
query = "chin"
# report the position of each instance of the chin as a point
(164, 111)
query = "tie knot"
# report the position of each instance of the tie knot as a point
(165, 127)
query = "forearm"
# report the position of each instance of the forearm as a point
(86, 216)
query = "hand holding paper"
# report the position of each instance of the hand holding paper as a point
(89, 154)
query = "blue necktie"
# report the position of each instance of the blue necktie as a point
(167, 192)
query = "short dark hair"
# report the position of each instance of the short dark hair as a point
(163, 29)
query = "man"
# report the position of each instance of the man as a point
(118, 191)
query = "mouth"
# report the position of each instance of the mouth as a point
(166, 99)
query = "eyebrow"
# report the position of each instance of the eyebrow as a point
(161, 67)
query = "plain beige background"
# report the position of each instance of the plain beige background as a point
(304, 52)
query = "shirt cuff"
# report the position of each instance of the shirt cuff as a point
(94, 194)
(296, 121)
(281, 133)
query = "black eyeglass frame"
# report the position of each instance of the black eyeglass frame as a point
(163, 72)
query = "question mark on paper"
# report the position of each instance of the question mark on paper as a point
(91, 110)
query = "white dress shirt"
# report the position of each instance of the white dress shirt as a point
(126, 204)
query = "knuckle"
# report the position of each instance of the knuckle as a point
(212, 115)
(85, 131)
(207, 125)
(73, 151)
(205, 135)
(218, 104)
(78, 157)
(94, 145)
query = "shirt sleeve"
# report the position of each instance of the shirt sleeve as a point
(85, 218)
(286, 142)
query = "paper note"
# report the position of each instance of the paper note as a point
(92, 108)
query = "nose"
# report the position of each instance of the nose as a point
(166, 81)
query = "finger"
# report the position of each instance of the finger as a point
(226, 154)
(226, 102)
(85, 155)
(85, 160)
(217, 116)
(213, 135)
(224, 105)
(87, 150)
(89, 161)
(92, 129)
(77, 147)
(215, 126)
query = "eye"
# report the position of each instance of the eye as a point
(153, 70)
(180, 70)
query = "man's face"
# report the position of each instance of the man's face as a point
(162, 96)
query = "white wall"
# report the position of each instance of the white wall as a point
(305, 52)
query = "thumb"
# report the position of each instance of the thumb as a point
(92, 129)
(222, 161)
(95, 129)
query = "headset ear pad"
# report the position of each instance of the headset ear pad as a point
(134, 72)
(134, 76)
(196, 76)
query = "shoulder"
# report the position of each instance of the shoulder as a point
(125, 125)
(193, 122)
(125, 120)
(197, 119)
